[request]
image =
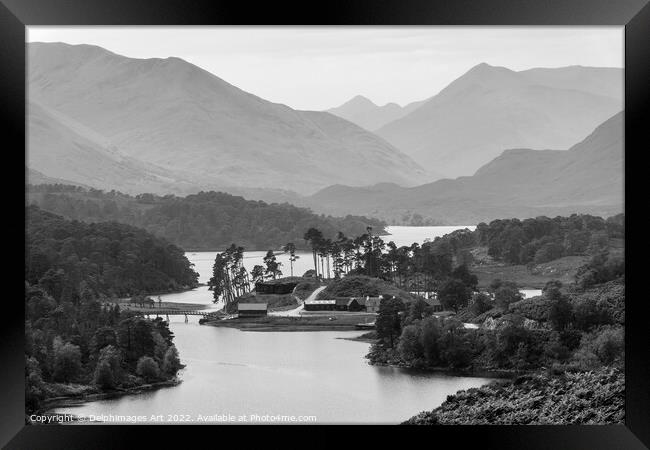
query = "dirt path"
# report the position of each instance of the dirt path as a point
(297, 311)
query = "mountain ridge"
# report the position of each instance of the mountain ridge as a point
(186, 120)
(490, 108)
(588, 177)
(370, 116)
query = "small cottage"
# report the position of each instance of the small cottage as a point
(372, 304)
(320, 305)
(252, 309)
(357, 304)
(341, 304)
(434, 303)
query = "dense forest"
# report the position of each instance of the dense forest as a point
(76, 341)
(544, 239)
(203, 221)
(65, 257)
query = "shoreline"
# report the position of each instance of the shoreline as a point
(321, 322)
(497, 374)
(359, 339)
(261, 327)
(80, 399)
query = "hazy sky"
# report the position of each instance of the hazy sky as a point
(321, 67)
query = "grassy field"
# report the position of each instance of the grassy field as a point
(276, 302)
(306, 287)
(361, 286)
(563, 269)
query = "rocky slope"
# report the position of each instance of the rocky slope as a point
(574, 398)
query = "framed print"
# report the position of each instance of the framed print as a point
(366, 213)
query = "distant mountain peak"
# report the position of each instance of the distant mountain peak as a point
(367, 114)
(487, 70)
(360, 100)
(486, 67)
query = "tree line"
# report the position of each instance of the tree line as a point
(417, 267)
(542, 239)
(203, 221)
(230, 279)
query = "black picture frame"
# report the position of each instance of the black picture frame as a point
(15, 15)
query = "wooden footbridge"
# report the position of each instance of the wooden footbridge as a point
(180, 312)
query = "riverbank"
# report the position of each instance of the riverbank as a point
(368, 338)
(482, 372)
(329, 322)
(80, 394)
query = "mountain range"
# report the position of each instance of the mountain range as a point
(489, 109)
(102, 120)
(366, 114)
(586, 178)
(165, 125)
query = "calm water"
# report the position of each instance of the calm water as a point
(528, 293)
(408, 235)
(231, 372)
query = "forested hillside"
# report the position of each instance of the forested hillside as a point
(77, 342)
(203, 221)
(543, 239)
(70, 259)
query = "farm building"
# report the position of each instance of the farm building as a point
(434, 303)
(357, 304)
(350, 304)
(320, 305)
(278, 287)
(341, 304)
(372, 304)
(252, 309)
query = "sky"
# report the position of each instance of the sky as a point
(317, 68)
